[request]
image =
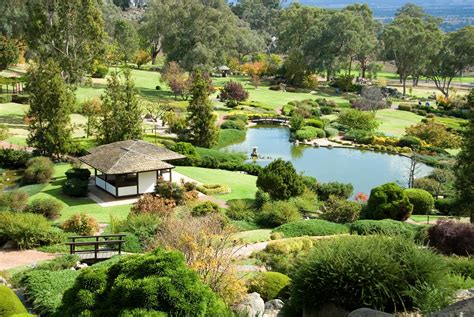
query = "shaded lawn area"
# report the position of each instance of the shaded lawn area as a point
(242, 185)
(423, 218)
(394, 122)
(12, 113)
(73, 205)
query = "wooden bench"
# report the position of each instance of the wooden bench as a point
(104, 246)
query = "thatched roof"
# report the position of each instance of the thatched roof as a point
(129, 157)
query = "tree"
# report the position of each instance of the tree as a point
(255, 70)
(201, 119)
(51, 101)
(280, 180)
(262, 16)
(120, 113)
(141, 58)
(464, 168)
(9, 52)
(452, 59)
(126, 39)
(434, 133)
(233, 92)
(411, 42)
(70, 32)
(371, 99)
(358, 120)
(388, 201)
(91, 109)
(174, 76)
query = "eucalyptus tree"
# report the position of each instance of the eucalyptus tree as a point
(126, 39)
(261, 15)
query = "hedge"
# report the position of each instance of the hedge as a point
(213, 189)
(312, 227)
(10, 304)
(387, 227)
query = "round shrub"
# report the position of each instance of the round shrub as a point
(270, 285)
(421, 200)
(386, 227)
(159, 281)
(170, 190)
(280, 180)
(206, 208)
(341, 190)
(452, 237)
(277, 213)
(233, 124)
(314, 123)
(381, 273)
(48, 207)
(409, 141)
(10, 304)
(10, 158)
(340, 210)
(82, 224)
(261, 198)
(331, 132)
(309, 133)
(76, 187)
(16, 200)
(187, 149)
(311, 227)
(447, 206)
(388, 201)
(39, 170)
(240, 209)
(79, 173)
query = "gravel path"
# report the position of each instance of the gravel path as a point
(246, 251)
(11, 259)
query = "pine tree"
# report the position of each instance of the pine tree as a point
(202, 121)
(121, 116)
(51, 101)
(465, 165)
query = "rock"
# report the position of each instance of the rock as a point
(3, 281)
(463, 308)
(81, 266)
(251, 306)
(273, 308)
(367, 312)
(464, 294)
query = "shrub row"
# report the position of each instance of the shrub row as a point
(312, 227)
(390, 228)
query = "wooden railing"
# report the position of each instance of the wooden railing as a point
(112, 245)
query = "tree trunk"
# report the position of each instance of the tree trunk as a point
(350, 66)
(404, 82)
(328, 75)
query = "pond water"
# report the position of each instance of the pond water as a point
(9, 179)
(364, 169)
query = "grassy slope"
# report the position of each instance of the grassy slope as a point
(242, 185)
(394, 122)
(73, 205)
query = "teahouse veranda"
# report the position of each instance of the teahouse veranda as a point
(129, 168)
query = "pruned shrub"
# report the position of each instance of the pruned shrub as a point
(388, 201)
(340, 210)
(48, 207)
(205, 208)
(405, 108)
(421, 200)
(383, 273)
(213, 189)
(451, 237)
(277, 213)
(233, 124)
(187, 149)
(81, 224)
(386, 227)
(10, 304)
(314, 123)
(331, 132)
(233, 93)
(311, 227)
(15, 200)
(309, 133)
(151, 204)
(447, 206)
(77, 183)
(10, 158)
(240, 209)
(409, 141)
(280, 180)
(341, 190)
(270, 285)
(159, 281)
(28, 230)
(39, 170)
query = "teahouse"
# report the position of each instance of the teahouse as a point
(128, 168)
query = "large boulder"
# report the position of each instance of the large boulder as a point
(251, 306)
(367, 312)
(273, 308)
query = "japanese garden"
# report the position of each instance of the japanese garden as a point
(252, 158)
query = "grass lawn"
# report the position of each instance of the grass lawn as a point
(242, 185)
(423, 218)
(451, 122)
(73, 205)
(394, 122)
(253, 236)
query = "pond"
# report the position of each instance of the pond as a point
(363, 169)
(9, 179)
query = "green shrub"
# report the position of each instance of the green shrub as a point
(388, 201)
(409, 141)
(280, 180)
(233, 124)
(5, 98)
(421, 200)
(79, 173)
(59, 263)
(277, 213)
(205, 208)
(10, 304)
(383, 273)
(170, 190)
(39, 170)
(340, 210)
(76, 187)
(240, 209)
(331, 132)
(45, 289)
(385, 227)
(16, 200)
(309, 133)
(261, 198)
(311, 227)
(28, 230)
(283, 255)
(463, 266)
(270, 285)
(10, 158)
(48, 207)
(213, 189)
(447, 206)
(187, 149)
(314, 123)
(100, 71)
(341, 190)
(405, 108)
(139, 228)
(81, 224)
(158, 281)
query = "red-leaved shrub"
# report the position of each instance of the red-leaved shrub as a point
(451, 237)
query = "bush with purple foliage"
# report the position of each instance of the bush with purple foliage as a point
(233, 93)
(451, 237)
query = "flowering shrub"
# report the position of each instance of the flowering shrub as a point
(81, 224)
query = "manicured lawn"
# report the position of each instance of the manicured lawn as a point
(253, 236)
(242, 185)
(423, 218)
(73, 205)
(455, 123)
(394, 122)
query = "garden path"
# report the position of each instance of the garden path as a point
(10, 259)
